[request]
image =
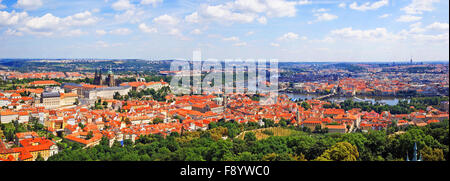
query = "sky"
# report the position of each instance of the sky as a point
(287, 30)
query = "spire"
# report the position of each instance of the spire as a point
(415, 152)
(110, 70)
(137, 76)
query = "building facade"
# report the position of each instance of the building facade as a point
(51, 100)
(109, 80)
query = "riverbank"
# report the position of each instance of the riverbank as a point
(389, 100)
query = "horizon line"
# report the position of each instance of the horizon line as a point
(239, 59)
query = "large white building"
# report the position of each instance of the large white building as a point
(8, 116)
(106, 93)
(51, 100)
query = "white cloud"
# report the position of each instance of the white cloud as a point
(437, 26)
(342, 5)
(246, 11)
(224, 13)
(146, 29)
(95, 10)
(288, 36)
(13, 18)
(166, 20)
(46, 25)
(130, 13)
(120, 31)
(192, 18)
(240, 44)
(262, 20)
(29, 4)
(122, 5)
(250, 33)
(369, 6)
(427, 34)
(325, 17)
(251, 5)
(196, 32)
(46, 22)
(419, 6)
(321, 10)
(272, 8)
(369, 35)
(81, 19)
(100, 32)
(384, 16)
(2, 6)
(418, 33)
(416, 28)
(274, 44)
(152, 2)
(102, 44)
(12, 32)
(439, 38)
(304, 2)
(233, 38)
(130, 16)
(76, 32)
(176, 32)
(408, 18)
(433, 33)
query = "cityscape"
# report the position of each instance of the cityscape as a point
(336, 102)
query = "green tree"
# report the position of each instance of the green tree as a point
(305, 105)
(268, 123)
(249, 137)
(247, 156)
(278, 157)
(342, 151)
(89, 135)
(39, 158)
(283, 122)
(429, 154)
(212, 125)
(157, 120)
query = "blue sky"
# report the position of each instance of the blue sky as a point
(301, 30)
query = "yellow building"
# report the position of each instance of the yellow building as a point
(29, 149)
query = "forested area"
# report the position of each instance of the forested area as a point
(159, 95)
(216, 144)
(403, 106)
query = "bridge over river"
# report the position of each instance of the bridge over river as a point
(326, 96)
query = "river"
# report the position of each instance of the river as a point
(383, 100)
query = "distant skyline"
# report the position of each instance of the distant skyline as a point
(301, 30)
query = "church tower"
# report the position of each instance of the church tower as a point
(110, 80)
(414, 159)
(137, 77)
(98, 79)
